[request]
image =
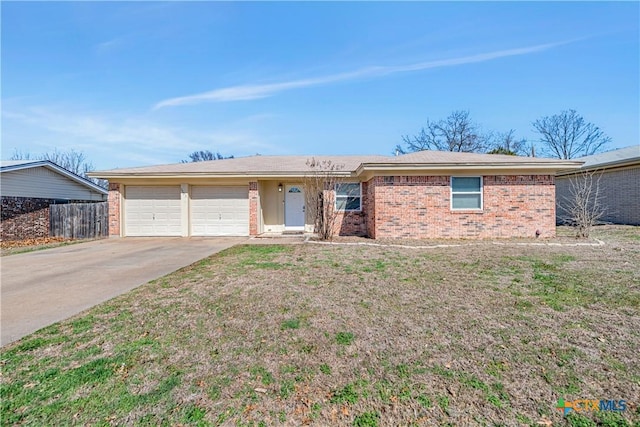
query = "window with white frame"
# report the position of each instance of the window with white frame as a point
(348, 196)
(466, 192)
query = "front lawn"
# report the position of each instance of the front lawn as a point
(481, 334)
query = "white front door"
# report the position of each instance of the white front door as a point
(294, 207)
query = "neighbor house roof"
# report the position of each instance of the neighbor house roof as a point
(279, 166)
(610, 159)
(14, 165)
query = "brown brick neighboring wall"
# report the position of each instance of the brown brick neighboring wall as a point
(620, 191)
(253, 208)
(114, 209)
(419, 207)
(24, 218)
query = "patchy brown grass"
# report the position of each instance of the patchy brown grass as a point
(12, 247)
(482, 334)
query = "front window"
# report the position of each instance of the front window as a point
(466, 192)
(348, 196)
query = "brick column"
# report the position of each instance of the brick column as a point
(253, 208)
(114, 209)
(369, 206)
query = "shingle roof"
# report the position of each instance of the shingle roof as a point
(251, 164)
(621, 155)
(281, 165)
(435, 157)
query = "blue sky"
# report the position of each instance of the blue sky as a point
(147, 83)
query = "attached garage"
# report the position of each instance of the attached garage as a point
(152, 211)
(219, 211)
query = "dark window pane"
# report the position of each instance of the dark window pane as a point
(348, 203)
(353, 203)
(466, 184)
(348, 189)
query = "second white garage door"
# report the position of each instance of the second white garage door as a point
(219, 211)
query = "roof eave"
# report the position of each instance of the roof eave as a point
(608, 165)
(386, 167)
(34, 164)
(546, 167)
(52, 166)
(255, 175)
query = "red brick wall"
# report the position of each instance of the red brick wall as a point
(419, 207)
(114, 209)
(253, 208)
(24, 218)
(369, 207)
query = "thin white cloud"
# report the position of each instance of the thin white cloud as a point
(109, 45)
(99, 128)
(249, 92)
(106, 138)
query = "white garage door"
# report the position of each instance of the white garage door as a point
(152, 211)
(219, 211)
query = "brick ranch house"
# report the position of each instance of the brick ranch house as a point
(428, 194)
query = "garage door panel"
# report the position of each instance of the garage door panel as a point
(219, 211)
(153, 211)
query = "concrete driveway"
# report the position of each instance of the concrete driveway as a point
(43, 287)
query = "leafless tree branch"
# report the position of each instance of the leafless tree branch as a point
(455, 133)
(319, 184)
(567, 135)
(73, 161)
(583, 207)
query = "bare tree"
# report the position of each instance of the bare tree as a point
(22, 155)
(583, 207)
(205, 155)
(319, 192)
(455, 133)
(567, 135)
(507, 143)
(72, 160)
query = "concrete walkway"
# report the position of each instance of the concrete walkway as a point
(43, 287)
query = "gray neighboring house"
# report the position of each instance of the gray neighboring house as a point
(619, 184)
(28, 187)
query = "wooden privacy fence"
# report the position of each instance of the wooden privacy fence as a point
(79, 220)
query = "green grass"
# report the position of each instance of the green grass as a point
(344, 338)
(315, 335)
(562, 288)
(262, 374)
(290, 324)
(287, 389)
(347, 394)
(367, 419)
(257, 256)
(443, 402)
